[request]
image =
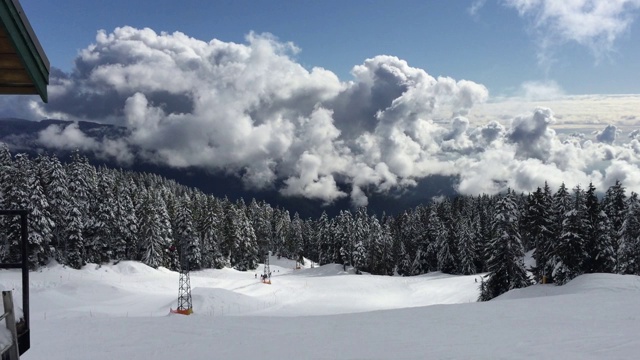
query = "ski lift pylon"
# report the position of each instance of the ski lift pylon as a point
(266, 275)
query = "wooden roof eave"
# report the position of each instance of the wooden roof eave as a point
(27, 48)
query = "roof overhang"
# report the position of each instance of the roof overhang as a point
(24, 67)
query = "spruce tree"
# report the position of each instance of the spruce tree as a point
(126, 227)
(360, 240)
(614, 205)
(74, 250)
(101, 228)
(246, 248)
(570, 248)
(152, 243)
(506, 260)
(323, 239)
(26, 193)
(209, 233)
(540, 230)
(447, 239)
(404, 268)
(185, 235)
(165, 227)
(466, 246)
(599, 248)
(296, 235)
(58, 197)
(231, 235)
(629, 238)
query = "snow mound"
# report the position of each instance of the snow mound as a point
(325, 270)
(602, 283)
(282, 262)
(222, 302)
(583, 284)
(128, 268)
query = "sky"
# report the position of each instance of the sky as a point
(121, 311)
(330, 100)
(493, 42)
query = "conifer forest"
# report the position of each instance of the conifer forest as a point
(81, 214)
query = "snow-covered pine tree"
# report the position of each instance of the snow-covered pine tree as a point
(377, 248)
(289, 243)
(261, 216)
(404, 268)
(309, 246)
(540, 230)
(380, 252)
(58, 197)
(297, 238)
(405, 230)
(247, 245)
(467, 248)
(14, 197)
(6, 171)
(151, 241)
(101, 230)
(27, 193)
(419, 265)
(126, 229)
(81, 177)
(601, 257)
(208, 230)
(433, 231)
(360, 240)
(185, 235)
(343, 237)
(165, 226)
(230, 235)
(360, 257)
(506, 259)
(570, 247)
(420, 221)
(561, 204)
(614, 205)
(445, 240)
(280, 223)
(74, 246)
(484, 210)
(324, 241)
(629, 238)
(386, 264)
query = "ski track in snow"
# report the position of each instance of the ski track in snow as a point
(121, 311)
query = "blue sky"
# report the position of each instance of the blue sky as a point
(495, 46)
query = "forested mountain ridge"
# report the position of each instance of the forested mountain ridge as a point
(82, 214)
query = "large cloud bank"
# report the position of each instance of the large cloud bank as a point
(252, 111)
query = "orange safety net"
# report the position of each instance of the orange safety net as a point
(182, 311)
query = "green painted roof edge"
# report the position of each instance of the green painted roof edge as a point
(27, 45)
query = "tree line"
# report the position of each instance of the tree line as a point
(81, 214)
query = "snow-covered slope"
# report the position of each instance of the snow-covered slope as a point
(121, 311)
